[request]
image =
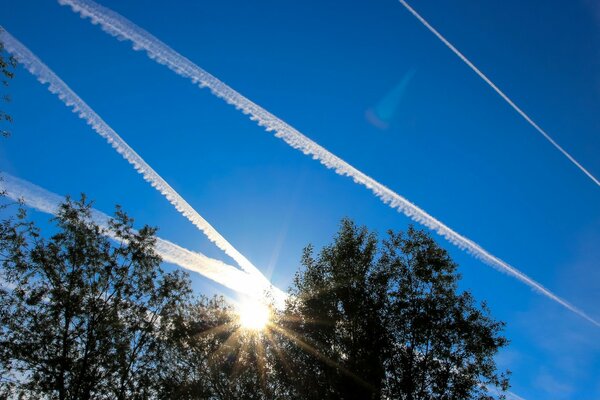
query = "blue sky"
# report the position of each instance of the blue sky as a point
(452, 146)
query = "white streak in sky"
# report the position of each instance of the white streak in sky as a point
(122, 28)
(497, 90)
(508, 395)
(40, 199)
(85, 112)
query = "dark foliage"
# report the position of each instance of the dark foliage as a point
(89, 314)
(212, 357)
(336, 311)
(82, 316)
(389, 322)
(7, 66)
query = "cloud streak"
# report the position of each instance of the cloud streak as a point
(498, 91)
(47, 202)
(123, 29)
(85, 112)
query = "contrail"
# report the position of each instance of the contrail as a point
(122, 28)
(73, 101)
(508, 395)
(497, 90)
(42, 200)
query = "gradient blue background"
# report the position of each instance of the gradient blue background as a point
(453, 147)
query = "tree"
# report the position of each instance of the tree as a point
(83, 316)
(335, 313)
(388, 321)
(7, 65)
(210, 356)
(441, 344)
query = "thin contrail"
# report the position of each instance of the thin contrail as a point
(122, 28)
(508, 395)
(42, 200)
(85, 112)
(497, 90)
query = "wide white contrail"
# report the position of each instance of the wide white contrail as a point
(122, 28)
(497, 90)
(72, 100)
(42, 200)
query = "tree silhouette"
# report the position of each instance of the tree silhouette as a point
(83, 316)
(388, 322)
(7, 66)
(441, 344)
(335, 309)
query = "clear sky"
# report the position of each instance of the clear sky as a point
(368, 82)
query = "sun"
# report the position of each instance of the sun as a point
(254, 315)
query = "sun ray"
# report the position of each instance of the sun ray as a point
(311, 350)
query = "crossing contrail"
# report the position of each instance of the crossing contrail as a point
(497, 90)
(120, 27)
(85, 112)
(42, 200)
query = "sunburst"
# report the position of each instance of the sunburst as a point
(254, 315)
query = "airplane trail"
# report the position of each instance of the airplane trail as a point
(498, 91)
(508, 395)
(85, 112)
(118, 26)
(42, 200)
